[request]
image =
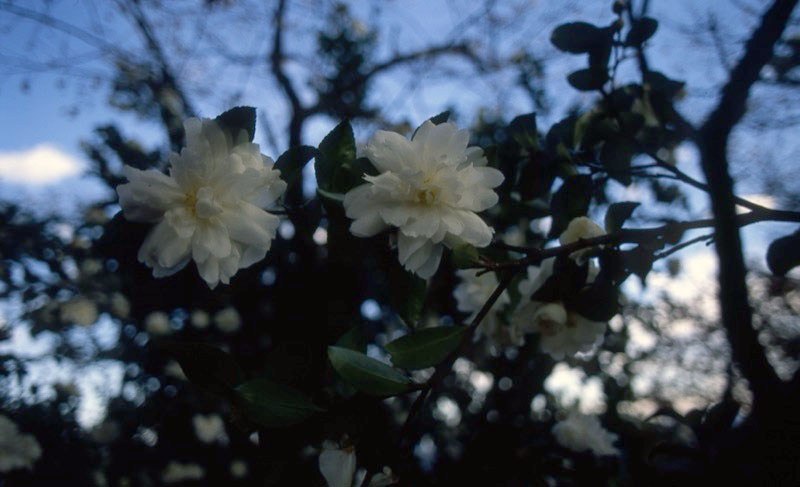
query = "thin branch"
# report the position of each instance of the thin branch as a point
(276, 60)
(455, 49)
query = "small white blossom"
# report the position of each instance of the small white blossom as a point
(17, 450)
(209, 428)
(472, 293)
(209, 208)
(581, 432)
(337, 465)
(157, 323)
(79, 310)
(181, 472)
(227, 320)
(383, 479)
(173, 369)
(430, 188)
(580, 228)
(200, 319)
(562, 332)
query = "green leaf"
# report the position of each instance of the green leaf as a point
(641, 30)
(291, 162)
(523, 131)
(588, 79)
(206, 366)
(570, 201)
(616, 155)
(537, 175)
(353, 339)
(239, 119)
(425, 348)
(783, 254)
(617, 213)
(662, 84)
(639, 261)
(597, 302)
(335, 164)
(436, 120)
(367, 374)
(272, 404)
(464, 256)
(568, 279)
(576, 37)
(408, 294)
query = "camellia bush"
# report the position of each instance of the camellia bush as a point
(371, 310)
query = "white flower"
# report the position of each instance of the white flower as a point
(209, 207)
(79, 310)
(562, 332)
(581, 432)
(209, 428)
(383, 479)
(157, 323)
(227, 320)
(580, 228)
(430, 188)
(337, 465)
(472, 293)
(181, 472)
(17, 450)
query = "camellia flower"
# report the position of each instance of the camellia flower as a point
(581, 432)
(17, 450)
(472, 293)
(563, 332)
(580, 228)
(337, 465)
(210, 206)
(430, 188)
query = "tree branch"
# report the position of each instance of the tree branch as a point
(734, 302)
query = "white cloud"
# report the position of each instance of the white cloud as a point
(42, 164)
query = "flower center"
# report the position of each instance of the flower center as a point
(427, 193)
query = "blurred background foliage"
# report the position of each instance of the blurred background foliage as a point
(82, 316)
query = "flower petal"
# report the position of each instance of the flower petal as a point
(148, 194)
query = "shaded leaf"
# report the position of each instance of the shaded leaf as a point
(576, 37)
(783, 254)
(641, 30)
(570, 201)
(206, 366)
(353, 339)
(436, 120)
(425, 348)
(523, 131)
(336, 165)
(272, 404)
(292, 162)
(597, 302)
(367, 374)
(238, 119)
(639, 261)
(408, 294)
(588, 79)
(617, 213)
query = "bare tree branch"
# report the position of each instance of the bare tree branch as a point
(713, 141)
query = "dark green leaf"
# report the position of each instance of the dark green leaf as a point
(353, 339)
(436, 120)
(272, 404)
(537, 175)
(639, 261)
(567, 280)
(617, 213)
(206, 366)
(576, 37)
(523, 131)
(784, 254)
(425, 348)
(588, 79)
(562, 132)
(570, 201)
(335, 163)
(641, 30)
(662, 84)
(616, 155)
(291, 162)
(597, 302)
(408, 294)
(464, 256)
(239, 119)
(367, 374)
